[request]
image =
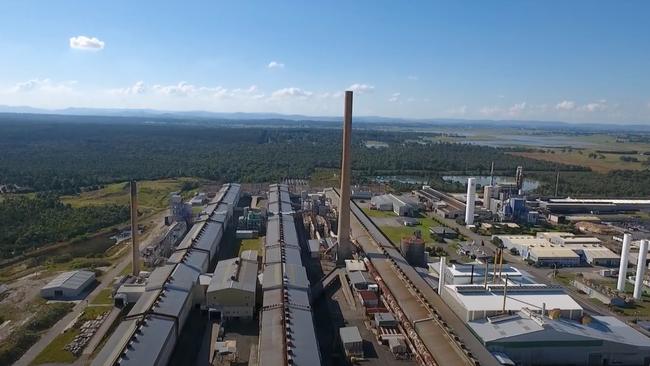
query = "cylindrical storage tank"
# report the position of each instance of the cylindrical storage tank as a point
(622, 270)
(640, 269)
(471, 197)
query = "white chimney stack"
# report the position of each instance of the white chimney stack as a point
(471, 197)
(622, 270)
(640, 269)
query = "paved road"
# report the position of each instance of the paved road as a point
(105, 281)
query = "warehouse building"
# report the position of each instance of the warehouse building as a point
(68, 285)
(232, 290)
(469, 274)
(530, 339)
(287, 334)
(390, 202)
(553, 255)
(473, 302)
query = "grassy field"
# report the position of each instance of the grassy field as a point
(153, 195)
(396, 233)
(325, 178)
(581, 157)
(55, 351)
(250, 244)
(377, 213)
(103, 298)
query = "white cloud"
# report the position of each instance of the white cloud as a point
(86, 43)
(490, 111)
(394, 97)
(135, 89)
(181, 89)
(45, 85)
(412, 77)
(275, 65)
(566, 105)
(517, 109)
(291, 92)
(361, 88)
(598, 106)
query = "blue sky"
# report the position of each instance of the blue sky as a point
(582, 61)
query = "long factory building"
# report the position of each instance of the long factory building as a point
(445, 336)
(148, 334)
(287, 334)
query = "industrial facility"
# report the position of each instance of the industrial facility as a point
(233, 287)
(149, 332)
(528, 323)
(287, 335)
(560, 249)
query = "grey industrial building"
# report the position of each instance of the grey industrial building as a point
(68, 285)
(287, 334)
(390, 202)
(232, 290)
(529, 339)
(148, 334)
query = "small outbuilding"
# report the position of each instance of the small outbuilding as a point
(352, 341)
(68, 285)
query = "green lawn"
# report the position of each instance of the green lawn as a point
(250, 244)
(152, 194)
(104, 297)
(377, 213)
(396, 233)
(55, 351)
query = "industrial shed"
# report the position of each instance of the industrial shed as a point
(68, 285)
(233, 286)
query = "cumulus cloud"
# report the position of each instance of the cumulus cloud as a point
(291, 92)
(135, 89)
(361, 88)
(598, 106)
(517, 109)
(46, 85)
(566, 105)
(86, 43)
(394, 97)
(275, 65)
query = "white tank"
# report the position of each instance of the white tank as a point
(640, 269)
(622, 270)
(471, 197)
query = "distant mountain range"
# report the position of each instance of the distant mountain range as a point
(242, 116)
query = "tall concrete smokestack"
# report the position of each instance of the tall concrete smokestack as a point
(345, 247)
(135, 250)
(622, 269)
(640, 269)
(471, 197)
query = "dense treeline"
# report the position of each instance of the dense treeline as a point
(65, 157)
(31, 222)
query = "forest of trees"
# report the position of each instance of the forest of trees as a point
(56, 155)
(32, 222)
(65, 157)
